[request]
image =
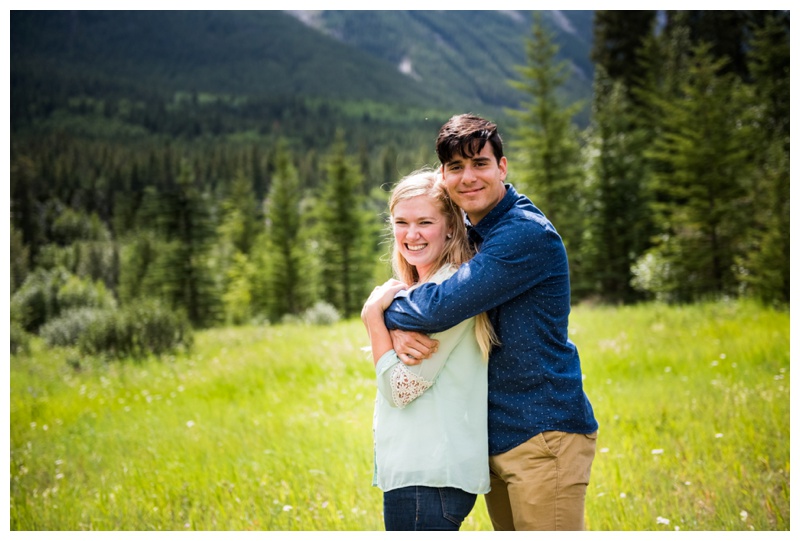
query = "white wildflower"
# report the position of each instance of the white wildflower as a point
(662, 520)
(190, 424)
(657, 451)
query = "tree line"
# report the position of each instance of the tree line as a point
(678, 190)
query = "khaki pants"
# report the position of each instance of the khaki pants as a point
(541, 484)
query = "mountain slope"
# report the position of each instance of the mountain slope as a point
(234, 53)
(469, 55)
(445, 60)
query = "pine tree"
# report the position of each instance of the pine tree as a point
(240, 216)
(619, 225)
(183, 272)
(19, 259)
(236, 235)
(283, 214)
(765, 267)
(546, 144)
(347, 239)
(622, 125)
(700, 201)
(617, 41)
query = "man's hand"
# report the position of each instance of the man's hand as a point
(412, 347)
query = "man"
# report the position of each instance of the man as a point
(542, 429)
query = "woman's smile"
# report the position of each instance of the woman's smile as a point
(420, 229)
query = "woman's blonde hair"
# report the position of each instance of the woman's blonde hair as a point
(457, 249)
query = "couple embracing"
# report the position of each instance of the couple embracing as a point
(479, 387)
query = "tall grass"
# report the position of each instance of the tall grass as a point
(270, 428)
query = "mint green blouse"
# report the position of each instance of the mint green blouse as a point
(430, 419)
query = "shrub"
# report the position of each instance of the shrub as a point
(70, 326)
(139, 330)
(82, 293)
(321, 313)
(36, 300)
(20, 340)
(47, 292)
(290, 319)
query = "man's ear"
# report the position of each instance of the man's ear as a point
(503, 166)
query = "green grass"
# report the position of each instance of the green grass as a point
(270, 428)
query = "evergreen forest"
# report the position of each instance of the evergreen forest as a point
(145, 203)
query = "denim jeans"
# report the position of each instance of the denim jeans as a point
(420, 508)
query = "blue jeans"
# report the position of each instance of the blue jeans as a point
(420, 508)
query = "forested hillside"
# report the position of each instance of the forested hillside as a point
(226, 167)
(466, 56)
(427, 59)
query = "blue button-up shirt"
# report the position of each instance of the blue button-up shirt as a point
(520, 276)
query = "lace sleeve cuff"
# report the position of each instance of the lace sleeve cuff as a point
(406, 385)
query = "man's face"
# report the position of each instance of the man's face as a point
(476, 184)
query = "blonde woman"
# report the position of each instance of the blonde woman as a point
(430, 425)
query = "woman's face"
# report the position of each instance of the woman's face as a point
(420, 232)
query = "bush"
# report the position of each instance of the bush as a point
(82, 293)
(321, 313)
(36, 300)
(68, 328)
(146, 328)
(20, 340)
(47, 292)
(290, 319)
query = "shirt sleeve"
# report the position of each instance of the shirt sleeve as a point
(519, 254)
(400, 384)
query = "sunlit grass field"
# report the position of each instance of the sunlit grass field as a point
(270, 428)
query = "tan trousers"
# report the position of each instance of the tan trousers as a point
(541, 484)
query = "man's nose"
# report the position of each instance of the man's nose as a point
(469, 174)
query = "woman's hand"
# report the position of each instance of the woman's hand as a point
(381, 297)
(372, 316)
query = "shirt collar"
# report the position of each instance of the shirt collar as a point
(494, 215)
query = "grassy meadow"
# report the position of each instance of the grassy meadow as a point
(270, 428)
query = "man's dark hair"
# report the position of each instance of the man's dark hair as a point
(466, 135)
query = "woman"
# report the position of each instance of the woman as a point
(431, 450)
